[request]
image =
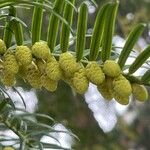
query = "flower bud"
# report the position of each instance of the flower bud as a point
(106, 88)
(122, 87)
(80, 81)
(139, 92)
(8, 79)
(53, 70)
(94, 73)
(10, 64)
(41, 50)
(68, 64)
(111, 68)
(123, 100)
(48, 84)
(33, 76)
(23, 55)
(2, 47)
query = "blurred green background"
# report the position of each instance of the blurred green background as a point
(100, 125)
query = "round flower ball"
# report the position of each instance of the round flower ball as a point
(111, 68)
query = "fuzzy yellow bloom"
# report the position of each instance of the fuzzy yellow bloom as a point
(94, 73)
(8, 79)
(80, 81)
(10, 64)
(41, 64)
(41, 50)
(139, 92)
(53, 70)
(23, 55)
(33, 76)
(111, 68)
(106, 88)
(66, 79)
(68, 64)
(49, 84)
(22, 72)
(122, 87)
(2, 47)
(124, 100)
(8, 148)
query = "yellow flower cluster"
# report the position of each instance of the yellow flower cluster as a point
(40, 69)
(118, 87)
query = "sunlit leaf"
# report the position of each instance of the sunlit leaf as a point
(65, 32)
(109, 25)
(130, 42)
(37, 23)
(81, 31)
(140, 60)
(98, 32)
(53, 25)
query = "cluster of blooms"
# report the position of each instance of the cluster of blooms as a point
(40, 68)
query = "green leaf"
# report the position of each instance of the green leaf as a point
(37, 23)
(140, 60)
(54, 24)
(8, 28)
(146, 77)
(98, 32)
(81, 30)
(109, 25)
(65, 32)
(17, 28)
(131, 40)
(47, 7)
(94, 2)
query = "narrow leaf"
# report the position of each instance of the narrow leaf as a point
(54, 24)
(17, 28)
(65, 32)
(37, 22)
(146, 77)
(140, 60)
(47, 7)
(81, 31)
(109, 26)
(98, 32)
(131, 40)
(7, 37)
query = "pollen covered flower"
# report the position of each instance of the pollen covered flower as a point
(68, 64)
(123, 100)
(139, 92)
(106, 88)
(53, 70)
(8, 79)
(41, 50)
(2, 47)
(80, 81)
(122, 87)
(23, 55)
(111, 68)
(94, 73)
(33, 76)
(10, 64)
(48, 84)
